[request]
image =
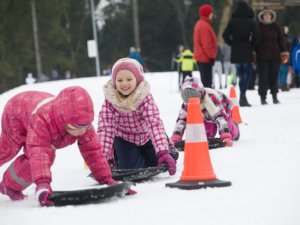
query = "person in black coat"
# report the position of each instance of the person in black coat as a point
(269, 51)
(241, 34)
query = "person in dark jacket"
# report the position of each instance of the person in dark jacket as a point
(241, 34)
(270, 49)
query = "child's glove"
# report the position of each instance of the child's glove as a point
(175, 138)
(113, 182)
(227, 139)
(42, 193)
(165, 157)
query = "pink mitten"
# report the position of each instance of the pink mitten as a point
(165, 157)
(113, 182)
(175, 138)
(43, 192)
(227, 138)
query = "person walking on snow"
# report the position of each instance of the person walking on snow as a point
(41, 123)
(270, 50)
(217, 69)
(205, 44)
(129, 128)
(216, 110)
(229, 68)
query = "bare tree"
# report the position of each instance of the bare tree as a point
(180, 7)
(36, 40)
(136, 27)
(224, 20)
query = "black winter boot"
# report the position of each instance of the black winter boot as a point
(243, 100)
(275, 99)
(263, 100)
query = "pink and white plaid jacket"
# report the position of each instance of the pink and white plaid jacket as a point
(137, 126)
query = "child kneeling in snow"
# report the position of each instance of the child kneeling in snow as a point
(42, 123)
(216, 110)
(129, 127)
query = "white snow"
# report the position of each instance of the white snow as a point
(263, 166)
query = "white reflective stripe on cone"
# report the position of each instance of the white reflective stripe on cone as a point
(195, 133)
(234, 101)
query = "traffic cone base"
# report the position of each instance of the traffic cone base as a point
(191, 185)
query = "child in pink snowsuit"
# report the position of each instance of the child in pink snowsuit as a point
(42, 123)
(129, 121)
(216, 110)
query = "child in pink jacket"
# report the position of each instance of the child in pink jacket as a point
(216, 111)
(129, 127)
(42, 123)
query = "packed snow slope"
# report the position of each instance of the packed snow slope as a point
(263, 166)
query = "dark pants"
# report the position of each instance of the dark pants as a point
(268, 76)
(205, 70)
(130, 156)
(297, 81)
(245, 72)
(185, 74)
(179, 75)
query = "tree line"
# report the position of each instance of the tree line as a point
(65, 26)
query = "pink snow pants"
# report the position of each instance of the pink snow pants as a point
(211, 129)
(18, 175)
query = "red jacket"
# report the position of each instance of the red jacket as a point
(38, 119)
(205, 41)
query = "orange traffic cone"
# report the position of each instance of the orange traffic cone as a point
(198, 171)
(236, 117)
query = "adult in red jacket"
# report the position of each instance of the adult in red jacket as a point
(42, 123)
(205, 44)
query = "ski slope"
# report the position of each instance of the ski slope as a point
(263, 166)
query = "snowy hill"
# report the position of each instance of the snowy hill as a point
(263, 166)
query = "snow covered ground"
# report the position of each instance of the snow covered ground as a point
(263, 166)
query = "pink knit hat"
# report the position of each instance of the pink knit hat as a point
(205, 10)
(128, 64)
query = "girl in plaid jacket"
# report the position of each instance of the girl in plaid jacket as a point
(41, 123)
(216, 110)
(129, 127)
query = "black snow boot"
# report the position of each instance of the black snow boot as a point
(275, 99)
(263, 100)
(243, 100)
